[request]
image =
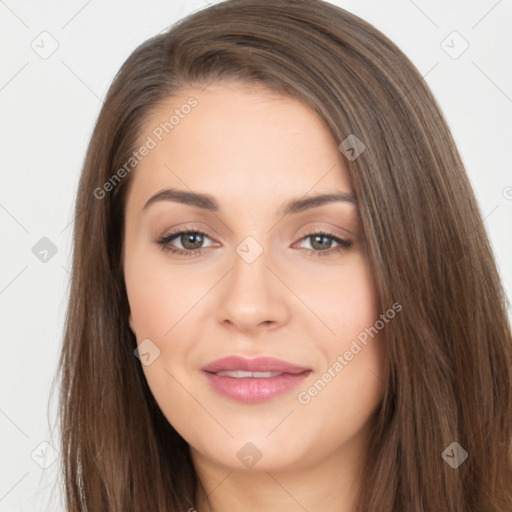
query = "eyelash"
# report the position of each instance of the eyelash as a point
(165, 241)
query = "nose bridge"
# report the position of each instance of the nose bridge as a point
(250, 274)
(251, 295)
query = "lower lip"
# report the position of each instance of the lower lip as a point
(252, 389)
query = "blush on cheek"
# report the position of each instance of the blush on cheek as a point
(157, 301)
(350, 311)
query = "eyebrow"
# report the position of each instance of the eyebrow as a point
(208, 202)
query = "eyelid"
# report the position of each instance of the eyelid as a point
(193, 227)
(316, 229)
(335, 229)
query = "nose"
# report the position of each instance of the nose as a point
(252, 297)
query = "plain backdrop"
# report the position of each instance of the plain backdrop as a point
(49, 104)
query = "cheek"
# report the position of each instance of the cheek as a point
(363, 346)
(159, 295)
(159, 299)
(354, 351)
(346, 302)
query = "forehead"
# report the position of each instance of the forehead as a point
(242, 143)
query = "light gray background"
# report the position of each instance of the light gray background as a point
(48, 110)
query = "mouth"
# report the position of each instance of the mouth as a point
(241, 374)
(253, 380)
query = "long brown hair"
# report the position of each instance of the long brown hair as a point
(449, 376)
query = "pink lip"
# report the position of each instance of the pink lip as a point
(254, 389)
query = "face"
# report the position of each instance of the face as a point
(284, 293)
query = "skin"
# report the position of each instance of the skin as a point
(254, 150)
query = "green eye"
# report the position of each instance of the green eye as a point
(192, 240)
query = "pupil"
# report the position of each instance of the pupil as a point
(317, 237)
(190, 238)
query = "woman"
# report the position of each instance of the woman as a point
(283, 296)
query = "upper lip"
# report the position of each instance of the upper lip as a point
(258, 364)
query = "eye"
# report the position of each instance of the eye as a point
(191, 242)
(321, 242)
